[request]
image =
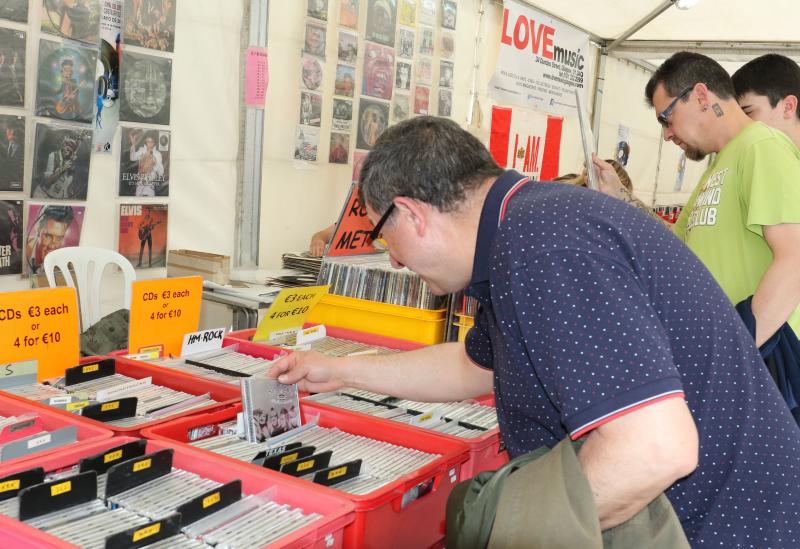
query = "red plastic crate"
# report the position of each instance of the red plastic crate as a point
(326, 532)
(225, 394)
(88, 431)
(380, 519)
(341, 333)
(485, 452)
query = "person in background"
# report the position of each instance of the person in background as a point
(768, 89)
(320, 239)
(594, 323)
(743, 218)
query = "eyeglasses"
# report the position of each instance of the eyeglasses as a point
(375, 235)
(663, 116)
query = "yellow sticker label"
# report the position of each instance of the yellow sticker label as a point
(142, 465)
(306, 465)
(109, 406)
(151, 530)
(312, 330)
(77, 405)
(338, 472)
(425, 417)
(90, 368)
(9, 485)
(288, 459)
(61, 488)
(208, 501)
(112, 456)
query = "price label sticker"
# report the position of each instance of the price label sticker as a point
(40, 325)
(289, 310)
(202, 341)
(309, 335)
(163, 311)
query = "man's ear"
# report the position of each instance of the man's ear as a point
(703, 95)
(790, 106)
(416, 211)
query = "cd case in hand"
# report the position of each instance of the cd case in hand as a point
(270, 408)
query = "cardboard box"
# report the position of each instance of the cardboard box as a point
(213, 267)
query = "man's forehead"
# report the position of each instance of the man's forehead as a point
(661, 96)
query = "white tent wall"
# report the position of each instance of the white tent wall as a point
(204, 146)
(299, 198)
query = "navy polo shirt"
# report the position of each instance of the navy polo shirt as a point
(590, 309)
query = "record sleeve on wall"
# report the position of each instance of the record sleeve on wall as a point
(449, 14)
(405, 43)
(72, 19)
(61, 156)
(318, 9)
(143, 234)
(422, 96)
(348, 13)
(10, 237)
(342, 115)
(107, 100)
(378, 71)
(314, 41)
(311, 73)
(50, 227)
(65, 86)
(12, 68)
(400, 107)
(12, 152)
(150, 24)
(407, 12)
(14, 10)
(348, 47)
(146, 88)
(306, 143)
(310, 109)
(339, 150)
(144, 162)
(373, 119)
(381, 21)
(445, 103)
(345, 80)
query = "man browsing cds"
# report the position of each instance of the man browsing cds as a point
(594, 323)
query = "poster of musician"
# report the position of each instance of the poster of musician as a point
(144, 162)
(381, 21)
(61, 156)
(149, 24)
(107, 100)
(73, 19)
(65, 87)
(12, 152)
(14, 10)
(50, 227)
(143, 234)
(10, 237)
(12, 68)
(145, 87)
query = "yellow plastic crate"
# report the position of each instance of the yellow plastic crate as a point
(465, 322)
(382, 319)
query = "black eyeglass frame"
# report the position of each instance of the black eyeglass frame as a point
(375, 234)
(663, 116)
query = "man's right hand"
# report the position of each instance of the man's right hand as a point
(312, 371)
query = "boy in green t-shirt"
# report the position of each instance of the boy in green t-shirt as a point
(743, 218)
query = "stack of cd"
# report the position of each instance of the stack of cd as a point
(334, 346)
(87, 525)
(461, 419)
(36, 391)
(381, 462)
(372, 277)
(229, 362)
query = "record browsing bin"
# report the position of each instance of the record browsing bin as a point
(325, 532)
(386, 517)
(420, 325)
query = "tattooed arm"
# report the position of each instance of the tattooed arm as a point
(609, 183)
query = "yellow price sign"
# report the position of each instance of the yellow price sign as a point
(289, 310)
(40, 325)
(163, 311)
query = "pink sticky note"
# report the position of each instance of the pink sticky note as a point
(256, 77)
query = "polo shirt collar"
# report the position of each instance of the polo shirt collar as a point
(492, 213)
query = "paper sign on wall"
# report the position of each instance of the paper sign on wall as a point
(163, 311)
(256, 77)
(352, 229)
(289, 311)
(40, 325)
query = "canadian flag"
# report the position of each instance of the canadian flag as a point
(527, 141)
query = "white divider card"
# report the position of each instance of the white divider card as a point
(14, 374)
(202, 341)
(309, 335)
(588, 141)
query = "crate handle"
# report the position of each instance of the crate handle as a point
(398, 503)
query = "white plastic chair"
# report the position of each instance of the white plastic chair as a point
(88, 265)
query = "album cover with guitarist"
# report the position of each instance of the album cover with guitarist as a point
(61, 156)
(65, 84)
(143, 234)
(144, 162)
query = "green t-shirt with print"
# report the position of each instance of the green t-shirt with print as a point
(754, 181)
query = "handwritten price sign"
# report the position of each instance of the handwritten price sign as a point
(40, 325)
(163, 311)
(289, 311)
